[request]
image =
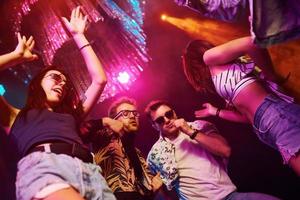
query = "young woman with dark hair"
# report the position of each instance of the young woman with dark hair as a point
(255, 100)
(54, 163)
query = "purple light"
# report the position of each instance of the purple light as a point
(123, 77)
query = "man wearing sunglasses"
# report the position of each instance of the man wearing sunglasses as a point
(191, 157)
(123, 166)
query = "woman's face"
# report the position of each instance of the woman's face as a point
(54, 86)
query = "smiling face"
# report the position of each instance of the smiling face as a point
(54, 86)
(163, 120)
(129, 119)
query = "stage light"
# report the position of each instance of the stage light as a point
(123, 77)
(163, 17)
(2, 90)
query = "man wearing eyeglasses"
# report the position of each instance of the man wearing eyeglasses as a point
(123, 166)
(191, 157)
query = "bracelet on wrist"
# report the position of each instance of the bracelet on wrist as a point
(88, 44)
(194, 134)
(218, 112)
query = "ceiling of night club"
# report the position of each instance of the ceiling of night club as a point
(114, 30)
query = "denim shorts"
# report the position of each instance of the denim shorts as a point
(40, 170)
(277, 123)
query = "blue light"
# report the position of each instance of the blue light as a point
(2, 90)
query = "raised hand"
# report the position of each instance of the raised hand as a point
(24, 48)
(77, 23)
(208, 110)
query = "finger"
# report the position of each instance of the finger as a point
(34, 57)
(73, 13)
(66, 22)
(29, 41)
(77, 11)
(24, 39)
(85, 19)
(157, 175)
(199, 113)
(205, 105)
(80, 15)
(31, 45)
(19, 37)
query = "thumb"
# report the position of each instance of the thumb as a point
(34, 57)
(157, 175)
(205, 105)
(199, 113)
(66, 22)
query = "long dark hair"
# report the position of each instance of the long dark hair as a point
(36, 97)
(195, 70)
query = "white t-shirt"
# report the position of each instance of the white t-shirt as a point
(201, 174)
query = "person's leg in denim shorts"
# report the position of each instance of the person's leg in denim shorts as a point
(39, 170)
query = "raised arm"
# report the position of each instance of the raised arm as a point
(230, 115)
(207, 137)
(77, 26)
(231, 50)
(22, 53)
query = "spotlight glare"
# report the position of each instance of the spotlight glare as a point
(163, 17)
(123, 77)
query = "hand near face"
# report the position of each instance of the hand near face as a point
(115, 125)
(183, 126)
(25, 47)
(208, 110)
(77, 23)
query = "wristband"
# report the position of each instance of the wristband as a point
(194, 134)
(88, 44)
(218, 112)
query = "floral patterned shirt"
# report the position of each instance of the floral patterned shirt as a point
(161, 157)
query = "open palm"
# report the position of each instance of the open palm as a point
(208, 110)
(77, 23)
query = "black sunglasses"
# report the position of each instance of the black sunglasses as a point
(161, 120)
(126, 113)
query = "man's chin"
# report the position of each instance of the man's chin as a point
(171, 131)
(132, 129)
